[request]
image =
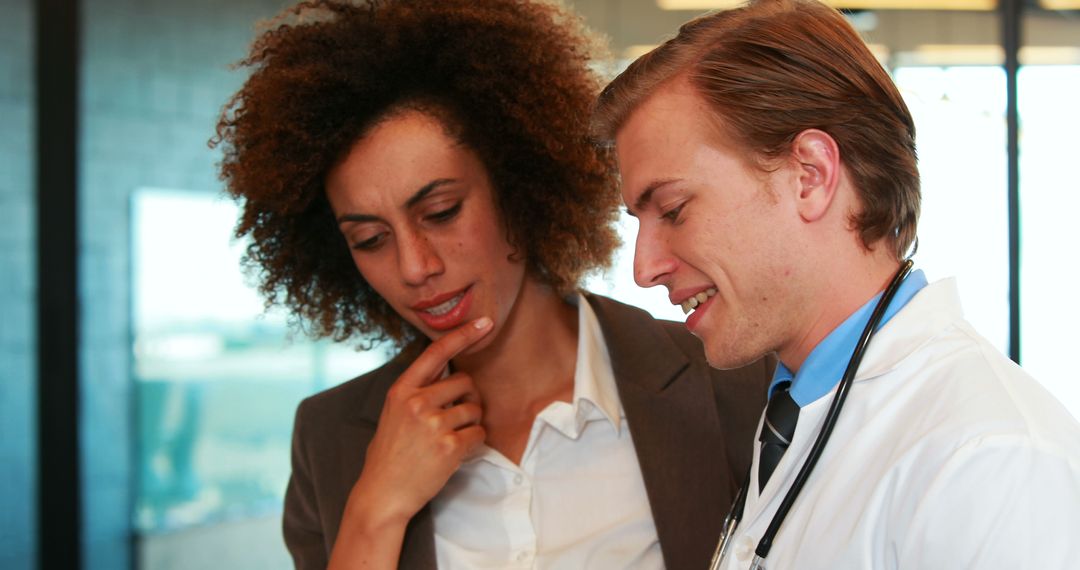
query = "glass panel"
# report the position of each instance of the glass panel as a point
(217, 382)
(963, 231)
(1049, 83)
(18, 304)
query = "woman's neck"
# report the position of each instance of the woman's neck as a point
(530, 365)
(535, 353)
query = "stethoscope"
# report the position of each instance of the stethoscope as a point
(731, 521)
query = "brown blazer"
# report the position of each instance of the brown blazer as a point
(693, 429)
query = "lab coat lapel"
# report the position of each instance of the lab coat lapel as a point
(671, 412)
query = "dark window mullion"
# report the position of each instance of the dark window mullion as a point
(56, 80)
(1011, 12)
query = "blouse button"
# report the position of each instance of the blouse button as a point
(745, 549)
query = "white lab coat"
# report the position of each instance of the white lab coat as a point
(946, 456)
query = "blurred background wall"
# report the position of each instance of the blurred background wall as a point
(18, 439)
(154, 75)
(186, 390)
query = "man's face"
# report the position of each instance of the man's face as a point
(714, 229)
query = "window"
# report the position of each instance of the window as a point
(217, 382)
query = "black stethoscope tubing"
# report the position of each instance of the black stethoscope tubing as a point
(765, 544)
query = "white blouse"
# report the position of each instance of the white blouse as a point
(576, 501)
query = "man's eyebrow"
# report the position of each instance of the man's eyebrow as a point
(412, 201)
(646, 196)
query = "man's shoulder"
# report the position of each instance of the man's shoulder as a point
(990, 394)
(957, 401)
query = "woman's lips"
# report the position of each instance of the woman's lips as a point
(446, 311)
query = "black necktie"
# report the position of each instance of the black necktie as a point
(781, 415)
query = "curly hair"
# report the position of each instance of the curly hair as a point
(510, 77)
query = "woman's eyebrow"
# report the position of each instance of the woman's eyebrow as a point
(357, 218)
(412, 201)
(427, 189)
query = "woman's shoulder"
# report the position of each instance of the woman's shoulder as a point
(621, 316)
(621, 319)
(360, 398)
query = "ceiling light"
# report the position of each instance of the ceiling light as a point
(1060, 4)
(1049, 55)
(956, 54)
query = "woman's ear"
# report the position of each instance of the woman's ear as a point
(818, 158)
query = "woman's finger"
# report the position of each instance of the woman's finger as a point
(457, 386)
(460, 416)
(429, 366)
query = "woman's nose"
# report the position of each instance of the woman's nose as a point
(418, 259)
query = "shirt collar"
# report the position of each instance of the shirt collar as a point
(825, 365)
(594, 380)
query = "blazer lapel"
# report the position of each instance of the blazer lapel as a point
(671, 410)
(418, 547)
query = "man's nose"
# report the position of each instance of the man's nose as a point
(653, 261)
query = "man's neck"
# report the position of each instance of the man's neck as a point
(842, 289)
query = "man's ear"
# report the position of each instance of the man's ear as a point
(817, 157)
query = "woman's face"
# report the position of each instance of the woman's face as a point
(417, 210)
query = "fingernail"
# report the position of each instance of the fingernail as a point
(482, 323)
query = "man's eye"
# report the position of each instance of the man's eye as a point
(672, 215)
(444, 215)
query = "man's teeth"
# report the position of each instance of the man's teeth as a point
(692, 303)
(443, 308)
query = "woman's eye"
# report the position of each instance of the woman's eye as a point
(672, 215)
(444, 215)
(369, 243)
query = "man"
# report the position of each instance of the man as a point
(771, 163)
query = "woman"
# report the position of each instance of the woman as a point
(421, 171)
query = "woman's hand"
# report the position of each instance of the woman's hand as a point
(428, 426)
